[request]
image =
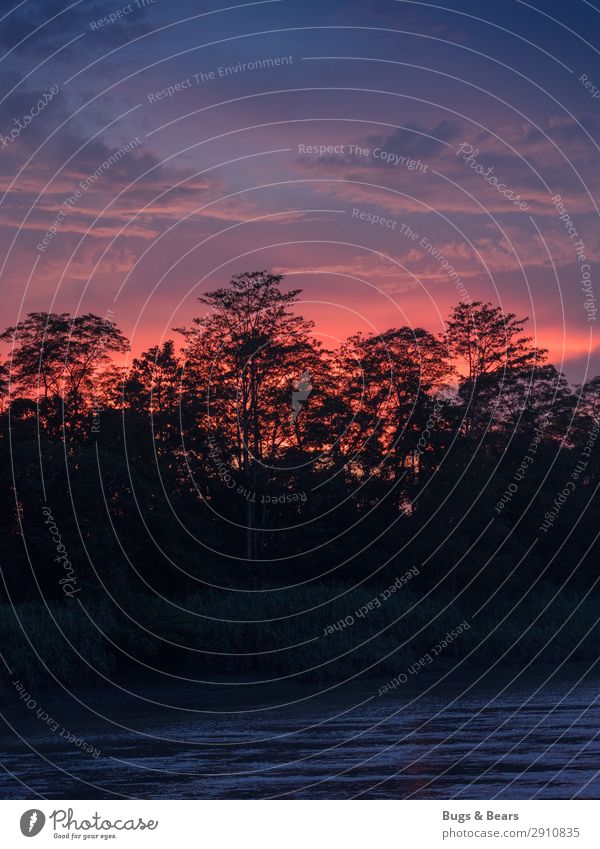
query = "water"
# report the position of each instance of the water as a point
(424, 740)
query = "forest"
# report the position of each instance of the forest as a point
(220, 503)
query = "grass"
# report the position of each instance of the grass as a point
(384, 642)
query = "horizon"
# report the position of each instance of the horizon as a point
(126, 358)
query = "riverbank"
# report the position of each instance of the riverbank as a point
(319, 633)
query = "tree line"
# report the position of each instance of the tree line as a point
(251, 450)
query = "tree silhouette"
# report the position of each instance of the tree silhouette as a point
(488, 343)
(252, 412)
(56, 355)
(244, 356)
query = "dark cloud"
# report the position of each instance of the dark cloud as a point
(416, 140)
(44, 25)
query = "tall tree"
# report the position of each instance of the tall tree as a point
(486, 342)
(244, 356)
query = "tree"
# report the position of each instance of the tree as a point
(392, 384)
(4, 385)
(39, 351)
(589, 399)
(54, 354)
(154, 381)
(243, 357)
(534, 397)
(91, 342)
(487, 343)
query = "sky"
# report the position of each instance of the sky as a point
(389, 157)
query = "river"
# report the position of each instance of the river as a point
(536, 736)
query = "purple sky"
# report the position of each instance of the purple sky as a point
(459, 125)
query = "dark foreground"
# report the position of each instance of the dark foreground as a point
(427, 739)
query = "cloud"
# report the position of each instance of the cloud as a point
(373, 268)
(416, 140)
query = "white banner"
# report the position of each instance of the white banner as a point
(302, 824)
